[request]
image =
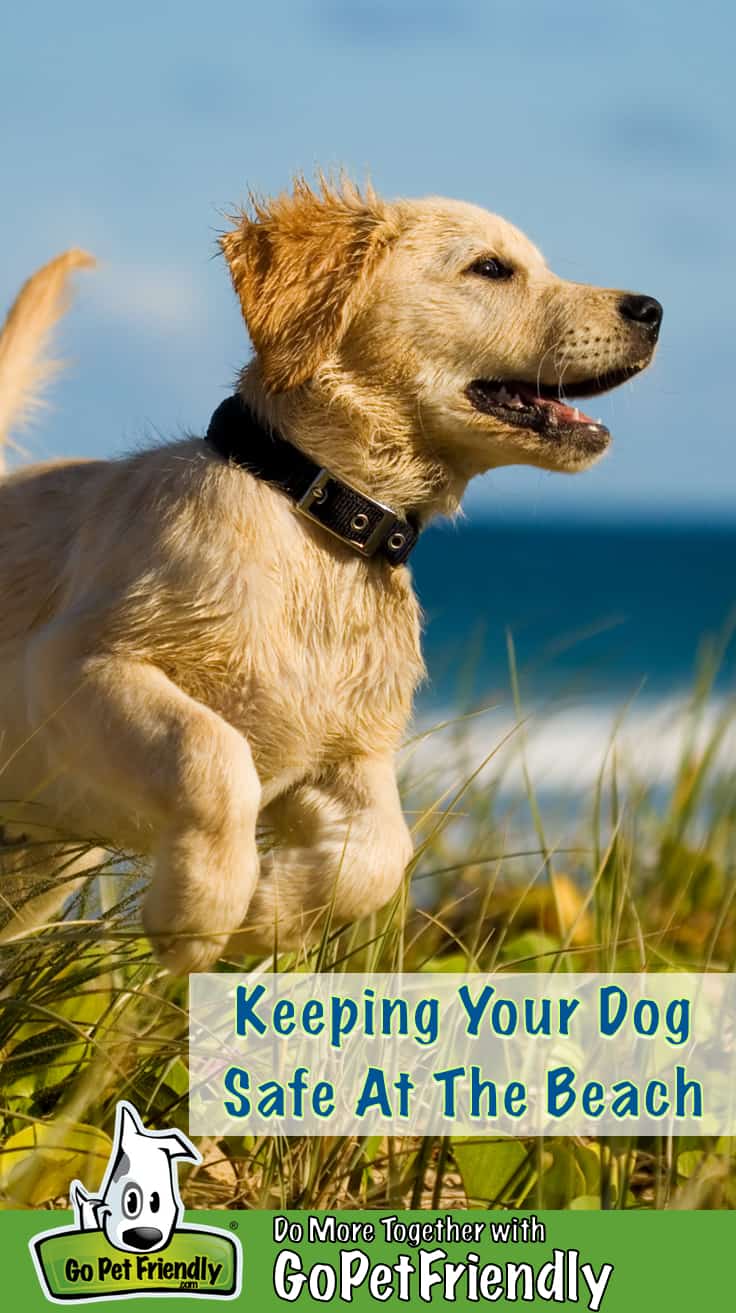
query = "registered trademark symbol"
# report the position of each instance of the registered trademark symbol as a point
(233, 1226)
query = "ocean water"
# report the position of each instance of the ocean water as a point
(609, 623)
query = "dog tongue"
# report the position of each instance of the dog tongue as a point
(570, 413)
(561, 412)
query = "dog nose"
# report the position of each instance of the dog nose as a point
(641, 310)
(142, 1237)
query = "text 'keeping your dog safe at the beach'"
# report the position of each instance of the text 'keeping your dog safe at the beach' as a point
(521, 1055)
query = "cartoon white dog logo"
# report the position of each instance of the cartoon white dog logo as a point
(138, 1207)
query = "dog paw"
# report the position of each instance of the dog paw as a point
(199, 895)
(184, 955)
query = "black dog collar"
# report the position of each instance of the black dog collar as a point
(367, 526)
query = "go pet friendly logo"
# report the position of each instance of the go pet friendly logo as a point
(129, 1239)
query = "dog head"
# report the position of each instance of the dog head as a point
(445, 312)
(139, 1204)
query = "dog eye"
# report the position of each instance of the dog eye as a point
(155, 1201)
(489, 267)
(132, 1201)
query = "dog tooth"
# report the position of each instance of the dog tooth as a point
(503, 394)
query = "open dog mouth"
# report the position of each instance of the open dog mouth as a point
(541, 408)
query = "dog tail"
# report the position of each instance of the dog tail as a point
(25, 366)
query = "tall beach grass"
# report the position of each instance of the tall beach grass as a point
(638, 876)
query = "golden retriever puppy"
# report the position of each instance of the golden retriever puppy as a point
(193, 641)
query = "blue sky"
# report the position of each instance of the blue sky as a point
(606, 131)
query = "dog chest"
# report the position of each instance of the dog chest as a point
(313, 663)
(335, 672)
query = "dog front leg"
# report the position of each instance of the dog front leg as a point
(182, 774)
(341, 847)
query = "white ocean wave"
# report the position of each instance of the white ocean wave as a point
(564, 748)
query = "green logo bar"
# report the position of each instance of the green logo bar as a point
(74, 1266)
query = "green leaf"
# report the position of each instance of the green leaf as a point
(589, 1161)
(564, 1179)
(692, 1160)
(490, 1167)
(449, 962)
(38, 1163)
(45, 1055)
(534, 949)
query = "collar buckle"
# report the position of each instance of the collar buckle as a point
(316, 492)
(317, 496)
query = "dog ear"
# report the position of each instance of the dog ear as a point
(299, 265)
(176, 1145)
(128, 1126)
(85, 1207)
